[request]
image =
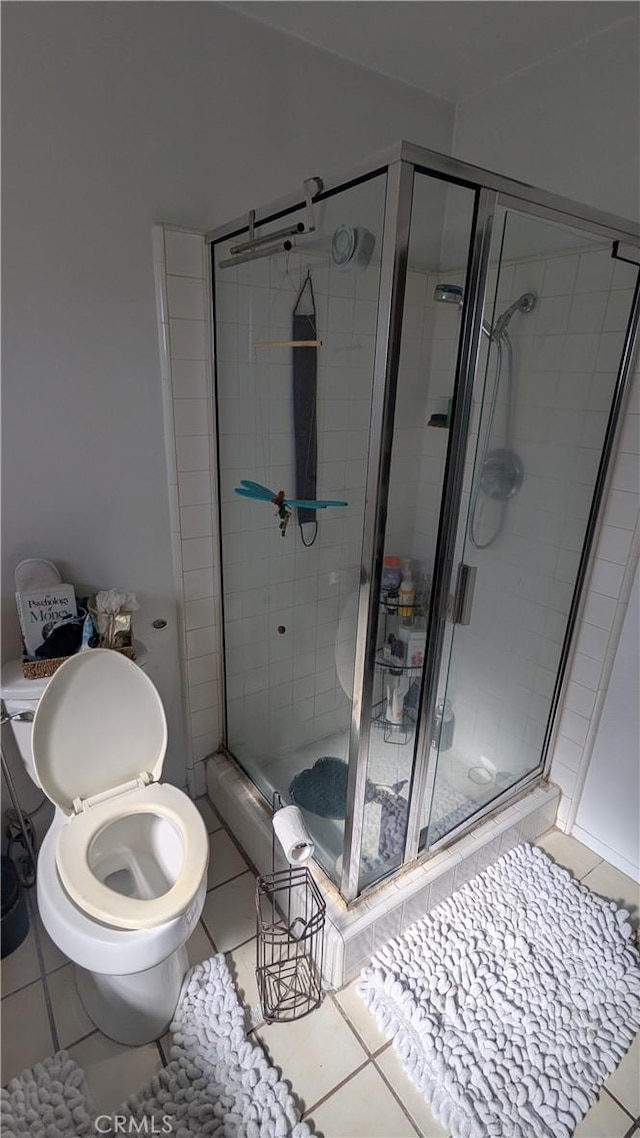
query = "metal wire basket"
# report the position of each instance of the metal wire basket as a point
(290, 943)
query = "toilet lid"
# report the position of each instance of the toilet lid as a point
(100, 723)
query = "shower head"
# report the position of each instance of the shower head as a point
(449, 294)
(454, 294)
(524, 303)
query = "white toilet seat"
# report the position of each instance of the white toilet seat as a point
(99, 741)
(106, 905)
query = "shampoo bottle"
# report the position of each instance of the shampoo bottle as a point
(406, 593)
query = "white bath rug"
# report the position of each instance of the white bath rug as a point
(218, 1082)
(50, 1101)
(512, 1002)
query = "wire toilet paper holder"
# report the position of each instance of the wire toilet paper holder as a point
(290, 939)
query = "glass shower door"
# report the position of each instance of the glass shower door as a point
(296, 418)
(558, 309)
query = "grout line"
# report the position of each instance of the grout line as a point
(161, 1052)
(82, 1038)
(598, 863)
(397, 1098)
(27, 984)
(333, 996)
(58, 967)
(227, 880)
(226, 950)
(208, 935)
(338, 1087)
(618, 1103)
(242, 943)
(33, 912)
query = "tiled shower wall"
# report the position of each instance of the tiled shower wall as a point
(186, 379)
(565, 357)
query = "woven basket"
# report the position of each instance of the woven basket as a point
(42, 669)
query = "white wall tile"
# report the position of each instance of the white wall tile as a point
(196, 521)
(580, 699)
(575, 727)
(188, 339)
(189, 379)
(197, 553)
(568, 753)
(614, 544)
(203, 695)
(592, 641)
(194, 489)
(564, 778)
(191, 416)
(622, 509)
(626, 472)
(199, 583)
(586, 671)
(186, 298)
(600, 610)
(200, 613)
(184, 253)
(606, 578)
(202, 669)
(193, 453)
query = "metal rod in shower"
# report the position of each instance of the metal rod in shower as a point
(393, 273)
(468, 353)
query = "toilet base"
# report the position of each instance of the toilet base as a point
(136, 1008)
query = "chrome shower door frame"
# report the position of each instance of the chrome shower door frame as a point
(393, 273)
(401, 163)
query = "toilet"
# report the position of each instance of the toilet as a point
(122, 870)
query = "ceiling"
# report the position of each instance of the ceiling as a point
(449, 48)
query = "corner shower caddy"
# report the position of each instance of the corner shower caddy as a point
(400, 733)
(412, 179)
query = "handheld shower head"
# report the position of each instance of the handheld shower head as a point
(524, 303)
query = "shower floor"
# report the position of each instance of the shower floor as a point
(457, 797)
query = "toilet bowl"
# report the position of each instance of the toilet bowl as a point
(122, 870)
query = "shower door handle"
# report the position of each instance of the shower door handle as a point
(463, 597)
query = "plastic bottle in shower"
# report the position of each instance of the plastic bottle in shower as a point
(406, 593)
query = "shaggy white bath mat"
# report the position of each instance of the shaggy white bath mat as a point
(218, 1082)
(50, 1101)
(512, 1001)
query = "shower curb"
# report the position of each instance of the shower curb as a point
(353, 933)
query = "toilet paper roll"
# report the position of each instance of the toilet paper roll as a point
(293, 835)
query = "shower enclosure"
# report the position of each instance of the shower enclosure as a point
(460, 359)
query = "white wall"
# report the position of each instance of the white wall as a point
(607, 818)
(119, 116)
(568, 124)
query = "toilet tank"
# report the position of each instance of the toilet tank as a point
(19, 694)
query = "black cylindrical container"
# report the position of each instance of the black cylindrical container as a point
(14, 922)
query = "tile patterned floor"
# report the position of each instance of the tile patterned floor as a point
(347, 1077)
